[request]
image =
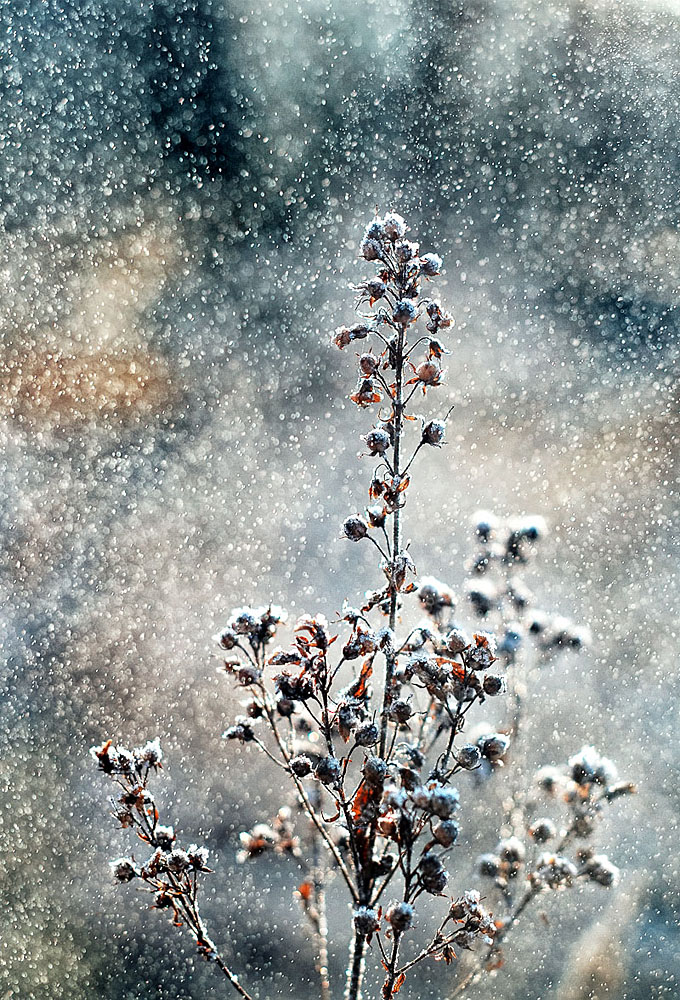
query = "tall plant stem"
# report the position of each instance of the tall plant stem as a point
(396, 532)
(355, 973)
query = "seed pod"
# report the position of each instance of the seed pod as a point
(370, 249)
(433, 432)
(164, 837)
(327, 770)
(489, 865)
(374, 770)
(446, 832)
(429, 372)
(123, 869)
(444, 801)
(369, 364)
(366, 921)
(601, 870)
(469, 756)
(355, 528)
(542, 830)
(301, 765)
(406, 251)
(401, 712)
(493, 685)
(511, 850)
(431, 264)
(494, 747)
(400, 916)
(227, 638)
(367, 735)
(394, 226)
(377, 441)
(404, 311)
(376, 516)
(433, 874)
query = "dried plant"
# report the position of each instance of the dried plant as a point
(371, 768)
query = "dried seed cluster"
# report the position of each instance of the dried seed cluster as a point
(371, 765)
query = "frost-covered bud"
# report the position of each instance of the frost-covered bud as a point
(468, 756)
(489, 865)
(367, 735)
(375, 230)
(227, 638)
(198, 857)
(344, 335)
(431, 264)
(248, 674)
(457, 640)
(429, 372)
(394, 226)
(355, 528)
(370, 249)
(301, 765)
(538, 623)
(446, 832)
(177, 861)
(327, 770)
(366, 393)
(481, 654)
(366, 921)
(433, 875)
(241, 730)
(369, 364)
(511, 850)
(601, 870)
(542, 830)
(123, 869)
(584, 765)
(421, 797)
(483, 596)
(493, 685)
(150, 753)
(164, 837)
(374, 288)
(554, 871)
(485, 524)
(400, 916)
(434, 595)
(404, 311)
(377, 441)
(532, 528)
(433, 432)
(444, 801)
(406, 251)
(243, 621)
(494, 747)
(400, 711)
(374, 770)
(285, 707)
(548, 779)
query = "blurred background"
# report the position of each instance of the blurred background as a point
(183, 186)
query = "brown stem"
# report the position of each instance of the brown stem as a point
(390, 978)
(355, 972)
(396, 535)
(319, 880)
(309, 808)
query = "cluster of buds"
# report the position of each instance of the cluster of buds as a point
(496, 589)
(170, 873)
(585, 786)
(278, 836)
